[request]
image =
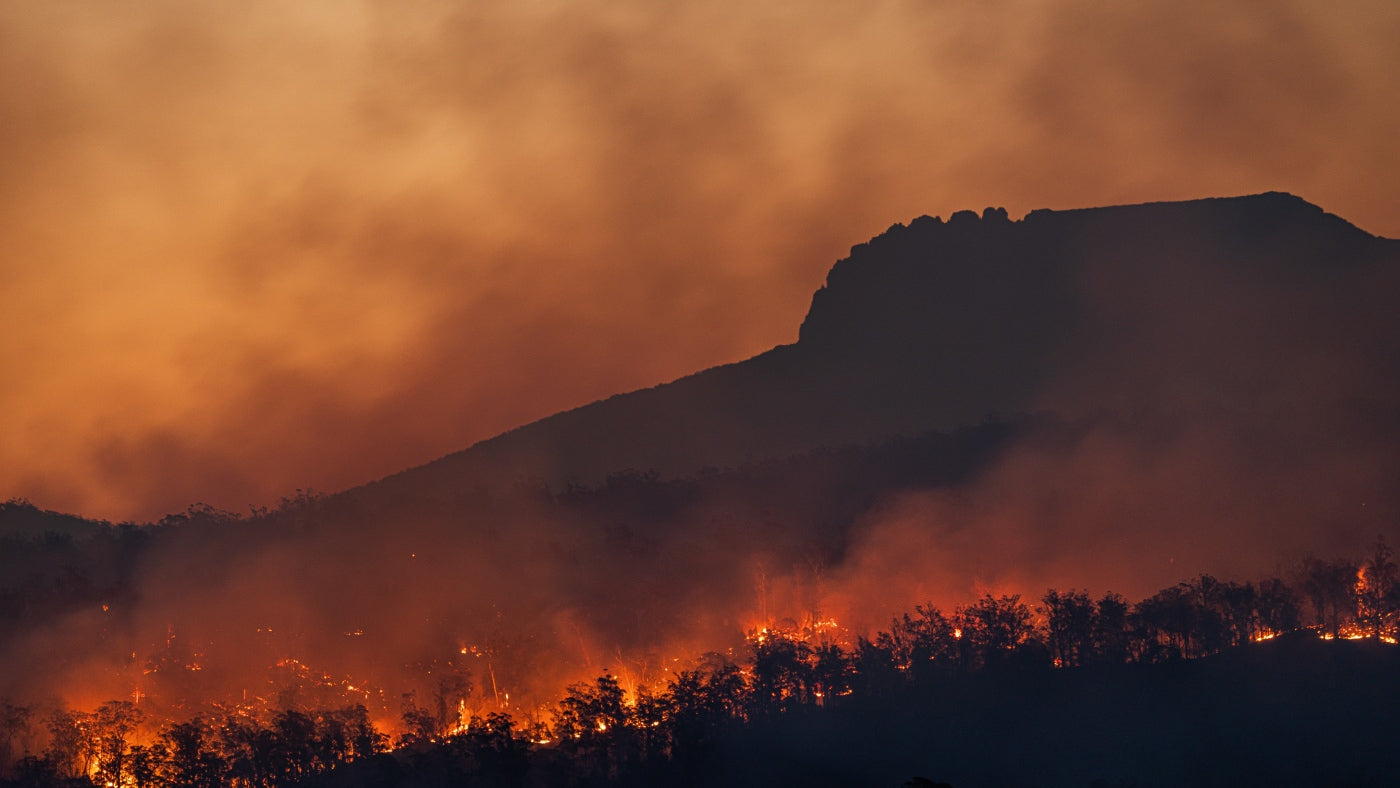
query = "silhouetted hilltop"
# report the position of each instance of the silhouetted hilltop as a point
(20, 519)
(946, 323)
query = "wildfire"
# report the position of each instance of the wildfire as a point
(443, 708)
(812, 629)
(464, 719)
(1352, 632)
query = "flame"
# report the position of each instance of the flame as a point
(464, 719)
(328, 685)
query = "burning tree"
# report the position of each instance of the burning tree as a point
(994, 630)
(921, 641)
(782, 675)
(186, 749)
(1377, 592)
(112, 726)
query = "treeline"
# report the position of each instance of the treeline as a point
(99, 748)
(52, 564)
(601, 734)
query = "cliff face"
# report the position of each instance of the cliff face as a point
(1205, 305)
(971, 271)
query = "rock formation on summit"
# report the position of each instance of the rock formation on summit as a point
(1217, 305)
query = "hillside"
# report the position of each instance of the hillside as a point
(942, 324)
(1104, 399)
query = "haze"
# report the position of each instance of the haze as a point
(251, 248)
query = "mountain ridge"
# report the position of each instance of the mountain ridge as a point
(933, 325)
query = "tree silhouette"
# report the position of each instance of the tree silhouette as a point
(1209, 631)
(501, 755)
(875, 670)
(420, 726)
(344, 735)
(1330, 586)
(994, 629)
(591, 722)
(71, 748)
(680, 735)
(112, 725)
(1112, 632)
(294, 747)
(250, 750)
(453, 687)
(1069, 619)
(782, 675)
(1376, 590)
(1277, 606)
(14, 734)
(589, 710)
(191, 759)
(148, 765)
(701, 706)
(831, 673)
(922, 641)
(1168, 622)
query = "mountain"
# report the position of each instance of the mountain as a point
(1224, 304)
(1110, 399)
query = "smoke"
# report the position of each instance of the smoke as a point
(256, 249)
(1211, 414)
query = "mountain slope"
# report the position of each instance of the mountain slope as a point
(1211, 386)
(940, 324)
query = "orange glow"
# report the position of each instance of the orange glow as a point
(252, 253)
(185, 223)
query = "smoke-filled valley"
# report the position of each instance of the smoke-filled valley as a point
(1113, 399)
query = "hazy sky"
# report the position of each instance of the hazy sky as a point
(250, 247)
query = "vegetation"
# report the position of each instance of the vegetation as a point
(996, 652)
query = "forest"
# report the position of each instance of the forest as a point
(1289, 679)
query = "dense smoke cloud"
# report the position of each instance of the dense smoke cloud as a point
(254, 249)
(1231, 419)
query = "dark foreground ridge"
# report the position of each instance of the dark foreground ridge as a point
(937, 325)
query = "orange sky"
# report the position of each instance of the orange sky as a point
(250, 247)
